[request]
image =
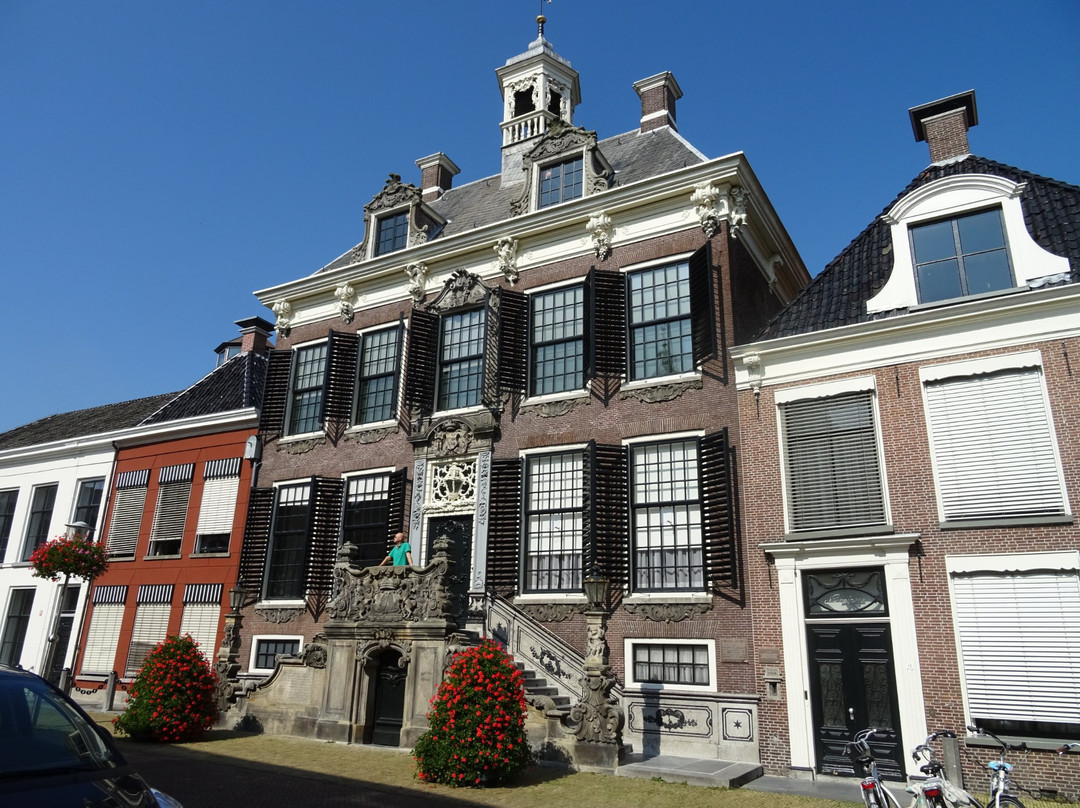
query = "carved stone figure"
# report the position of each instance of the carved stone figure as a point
(283, 312)
(506, 258)
(599, 227)
(345, 294)
(418, 273)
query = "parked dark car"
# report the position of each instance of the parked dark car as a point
(52, 754)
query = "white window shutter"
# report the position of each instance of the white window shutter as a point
(102, 638)
(126, 520)
(218, 505)
(993, 446)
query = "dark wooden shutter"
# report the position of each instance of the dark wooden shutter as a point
(513, 341)
(717, 516)
(605, 328)
(702, 306)
(400, 345)
(256, 540)
(607, 513)
(395, 520)
(276, 393)
(504, 527)
(489, 390)
(324, 527)
(422, 363)
(341, 370)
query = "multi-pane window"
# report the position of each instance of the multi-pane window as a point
(88, 502)
(993, 444)
(666, 508)
(7, 516)
(391, 233)
(366, 515)
(557, 341)
(174, 491)
(378, 375)
(221, 484)
(41, 510)
(287, 559)
(308, 389)
(965, 255)
(461, 359)
(561, 182)
(661, 335)
(127, 512)
(833, 470)
(268, 650)
(20, 607)
(667, 664)
(554, 516)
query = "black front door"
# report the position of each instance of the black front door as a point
(853, 687)
(459, 530)
(389, 700)
(69, 603)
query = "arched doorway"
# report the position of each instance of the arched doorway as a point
(387, 705)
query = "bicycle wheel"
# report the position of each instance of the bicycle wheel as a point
(887, 800)
(1006, 801)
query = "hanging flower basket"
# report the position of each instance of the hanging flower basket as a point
(70, 556)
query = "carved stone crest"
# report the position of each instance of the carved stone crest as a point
(418, 273)
(451, 438)
(383, 595)
(463, 288)
(667, 612)
(599, 226)
(394, 193)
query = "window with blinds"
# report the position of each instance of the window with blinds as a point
(103, 635)
(151, 624)
(993, 445)
(1019, 636)
(201, 616)
(833, 468)
(218, 506)
(174, 491)
(127, 513)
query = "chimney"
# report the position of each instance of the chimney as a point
(254, 335)
(943, 125)
(658, 96)
(436, 175)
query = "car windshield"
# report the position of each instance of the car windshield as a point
(41, 733)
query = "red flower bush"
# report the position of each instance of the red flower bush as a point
(476, 733)
(70, 555)
(172, 697)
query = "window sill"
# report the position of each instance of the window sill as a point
(550, 597)
(979, 741)
(668, 597)
(1008, 521)
(839, 532)
(171, 557)
(302, 436)
(647, 689)
(113, 558)
(652, 381)
(952, 301)
(458, 411)
(389, 422)
(549, 398)
(210, 555)
(280, 604)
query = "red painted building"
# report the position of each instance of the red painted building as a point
(175, 517)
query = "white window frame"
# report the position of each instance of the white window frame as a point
(971, 369)
(828, 390)
(634, 684)
(1018, 681)
(399, 374)
(956, 196)
(271, 638)
(293, 367)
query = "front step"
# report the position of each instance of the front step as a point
(693, 771)
(539, 693)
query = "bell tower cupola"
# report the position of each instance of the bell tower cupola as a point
(538, 87)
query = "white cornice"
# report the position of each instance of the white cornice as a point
(133, 436)
(670, 190)
(977, 325)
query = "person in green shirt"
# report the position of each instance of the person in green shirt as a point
(400, 554)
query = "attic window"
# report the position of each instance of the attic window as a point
(391, 233)
(961, 256)
(561, 182)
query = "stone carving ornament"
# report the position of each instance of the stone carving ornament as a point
(463, 288)
(315, 653)
(371, 435)
(506, 258)
(600, 229)
(668, 612)
(715, 204)
(394, 193)
(279, 614)
(283, 312)
(451, 439)
(550, 612)
(554, 409)
(549, 662)
(563, 140)
(453, 486)
(345, 294)
(597, 717)
(384, 640)
(418, 274)
(660, 392)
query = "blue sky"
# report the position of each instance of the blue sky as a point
(162, 160)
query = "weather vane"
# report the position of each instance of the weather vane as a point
(540, 18)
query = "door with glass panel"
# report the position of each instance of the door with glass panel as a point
(852, 677)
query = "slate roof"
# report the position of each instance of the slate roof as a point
(634, 156)
(838, 295)
(235, 385)
(82, 423)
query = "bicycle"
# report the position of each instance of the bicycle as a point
(874, 792)
(938, 790)
(1001, 783)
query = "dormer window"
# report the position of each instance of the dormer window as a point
(561, 182)
(391, 233)
(961, 256)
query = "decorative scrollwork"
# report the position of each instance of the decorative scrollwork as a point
(506, 258)
(279, 614)
(597, 717)
(660, 392)
(316, 652)
(599, 227)
(451, 438)
(550, 612)
(345, 294)
(667, 612)
(418, 273)
(383, 595)
(453, 485)
(550, 662)
(668, 718)
(283, 312)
